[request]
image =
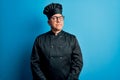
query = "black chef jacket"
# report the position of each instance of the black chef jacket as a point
(56, 57)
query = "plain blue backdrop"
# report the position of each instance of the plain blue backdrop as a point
(96, 24)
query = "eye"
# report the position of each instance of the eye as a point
(53, 18)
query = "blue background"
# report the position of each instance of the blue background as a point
(96, 24)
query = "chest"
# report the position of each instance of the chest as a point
(56, 46)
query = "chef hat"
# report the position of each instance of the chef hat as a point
(51, 9)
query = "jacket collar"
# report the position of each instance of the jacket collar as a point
(52, 33)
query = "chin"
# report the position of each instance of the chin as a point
(58, 29)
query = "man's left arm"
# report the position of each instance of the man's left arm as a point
(77, 61)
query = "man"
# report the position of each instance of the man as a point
(56, 55)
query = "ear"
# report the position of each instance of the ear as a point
(49, 22)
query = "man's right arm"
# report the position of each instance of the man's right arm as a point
(35, 63)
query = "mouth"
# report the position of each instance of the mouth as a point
(58, 24)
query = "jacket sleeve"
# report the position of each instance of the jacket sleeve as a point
(35, 63)
(77, 61)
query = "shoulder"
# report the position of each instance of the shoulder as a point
(41, 36)
(70, 37)
(69, 34)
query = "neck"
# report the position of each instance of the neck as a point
(55, 31)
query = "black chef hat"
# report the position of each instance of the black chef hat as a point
(51, 9)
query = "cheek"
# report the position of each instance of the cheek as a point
(62, 23)
(51, 23)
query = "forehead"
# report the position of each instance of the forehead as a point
(57, 15)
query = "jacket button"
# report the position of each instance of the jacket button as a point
(51, 57)
(61, 57)
(51, 46)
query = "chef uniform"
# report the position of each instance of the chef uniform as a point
(56, 57)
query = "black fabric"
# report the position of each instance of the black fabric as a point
(51, 9)
(56, 57)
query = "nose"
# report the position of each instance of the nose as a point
(58, 19)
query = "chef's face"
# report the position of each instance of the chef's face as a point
(56, 22)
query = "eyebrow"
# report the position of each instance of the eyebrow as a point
(57, 16)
